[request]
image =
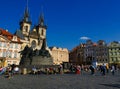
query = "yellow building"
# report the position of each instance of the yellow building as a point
(59, 55)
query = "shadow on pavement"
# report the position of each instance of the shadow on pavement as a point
(112, 85)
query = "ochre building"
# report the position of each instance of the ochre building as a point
(59, 55)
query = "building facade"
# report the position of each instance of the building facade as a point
(73, 56)
(10, 46)
(114, 52)
(102, 52)
(90, 52)
(59, 55)
(96, 52)
(76, 55)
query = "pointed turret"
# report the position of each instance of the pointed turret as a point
(26, 17)
(41, 20)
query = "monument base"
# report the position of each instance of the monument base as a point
(37, 61)
(41, 60)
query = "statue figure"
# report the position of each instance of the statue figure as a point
(27, 53)
(43, 51)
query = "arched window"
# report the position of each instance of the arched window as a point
(33, 44)
(42, 33)
(26, 28)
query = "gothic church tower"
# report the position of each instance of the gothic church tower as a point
(41, 30)
(25, 24)
(35, 36)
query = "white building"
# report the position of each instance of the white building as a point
(10, 46)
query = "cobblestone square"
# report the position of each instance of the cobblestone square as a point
(62, 81)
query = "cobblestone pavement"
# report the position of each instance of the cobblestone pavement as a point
(64, 81)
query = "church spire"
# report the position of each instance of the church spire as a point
(41, 18)
(26, 17)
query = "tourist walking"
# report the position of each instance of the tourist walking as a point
(78, 69)
(92, 68)
(60, 69)
(8, 73)
(113, 69)
(107, 68)
(103, 69)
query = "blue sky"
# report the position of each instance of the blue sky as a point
(67, 20)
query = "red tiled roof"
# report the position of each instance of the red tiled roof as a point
(5, 33)
(9, 35)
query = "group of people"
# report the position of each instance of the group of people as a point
(10, 70)
(48, 70)
(75, 69)
(57, 70)
(103, 69)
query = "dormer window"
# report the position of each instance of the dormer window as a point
(14, 38)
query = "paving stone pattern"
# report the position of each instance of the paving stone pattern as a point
(62, 81)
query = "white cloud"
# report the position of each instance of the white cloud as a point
(84, 38)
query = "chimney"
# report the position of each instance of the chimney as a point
(6, 30)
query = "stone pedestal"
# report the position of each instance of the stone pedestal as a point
(40, 60)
